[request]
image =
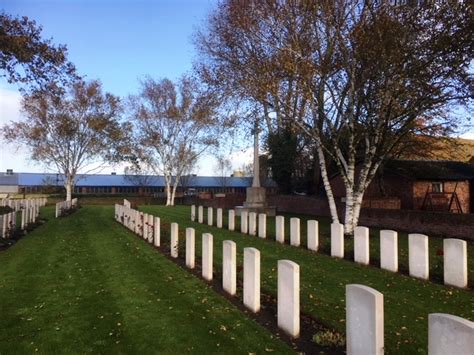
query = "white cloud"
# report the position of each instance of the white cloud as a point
(207, 163)
(12, 156)
(10, 101)
(467, 135)
(241, 157)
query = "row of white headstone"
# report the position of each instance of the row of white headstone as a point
(8, 221)
(148, 227)
(143, 224)
(64, 206)
(448, 334)
(20, 204)
(454, 250)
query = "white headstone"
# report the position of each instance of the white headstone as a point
(137, 222)
(23, 219)
(229, 266)
(361, 245)
(280, 229)
(418, 261)
(244, 219)
(207, 257)
(448, 334)
(4, 226)
(262, 225)
(252, 223)
(219, 218)
(174, 240)
(364, 321)
(231, 221)
(142, 223)
(389, 250)
(252, 279)
(210, 215)
(200, 214)
(157, 232)
(455, 262)
(151, 221)
(193, 213)
(289, 297)
(295, 238)
(313, 235)
(337, 240)
(190, 247)
(145, 226)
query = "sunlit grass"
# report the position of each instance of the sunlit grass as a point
(85, 284)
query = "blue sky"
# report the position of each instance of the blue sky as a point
(118, 42)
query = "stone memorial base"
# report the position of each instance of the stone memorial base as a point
(255, 202)
(269, 211)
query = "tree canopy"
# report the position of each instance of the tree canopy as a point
(27, 58)
(174, 123)
(71, 131)
(356, 77)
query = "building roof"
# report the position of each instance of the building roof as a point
(441, 148)
(431, 169)
(8, 179)
(39, 179)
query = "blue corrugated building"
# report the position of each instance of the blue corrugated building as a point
(124, 184)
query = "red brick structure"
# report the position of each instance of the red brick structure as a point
(419, 185)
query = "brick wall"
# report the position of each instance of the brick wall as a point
(299, 204)
(451, 225)
(441, 201)
(389, 192)
(429, 223)
(227, 202)
(387, 203)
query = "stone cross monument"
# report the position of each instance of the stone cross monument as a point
(256, 193)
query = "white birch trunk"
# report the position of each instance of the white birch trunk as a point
(168, 190)
(349, 211)
(69, 187)
(327, 185)
(173, 193)
(355, 196)
(357, 206)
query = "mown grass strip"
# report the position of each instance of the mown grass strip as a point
(83, 283)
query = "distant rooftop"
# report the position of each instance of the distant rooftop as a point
(39, 179)
(431, 169)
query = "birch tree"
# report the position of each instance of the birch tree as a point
(72, 132)
(363, 75)
(223, 171)
(174, 124)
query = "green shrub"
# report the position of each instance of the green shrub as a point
(329, 338)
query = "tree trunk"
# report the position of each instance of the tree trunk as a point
(352, 213)
(173, 193)
(69, 186)
(357, 206)
(168, 191)
(349, 212)
(327, 185)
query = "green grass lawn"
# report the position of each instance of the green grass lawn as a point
(407, 301)
(85, 284)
